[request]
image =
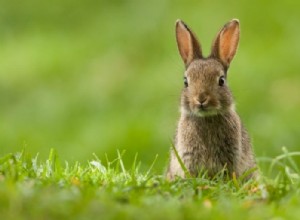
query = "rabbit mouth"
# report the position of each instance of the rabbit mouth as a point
(200, 112)
(203, 112)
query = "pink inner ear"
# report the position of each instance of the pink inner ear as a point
(229, 39)
(183, 41)
(188, 45)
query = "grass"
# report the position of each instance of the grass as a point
(34, 189)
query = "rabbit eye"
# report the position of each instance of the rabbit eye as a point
(185, 81)
(221, 81)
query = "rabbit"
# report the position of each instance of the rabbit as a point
(210, 134)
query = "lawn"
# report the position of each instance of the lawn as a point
(34, 189)
(94, 78)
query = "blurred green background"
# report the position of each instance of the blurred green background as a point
(93, 76)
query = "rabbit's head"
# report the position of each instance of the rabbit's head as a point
(206, 91)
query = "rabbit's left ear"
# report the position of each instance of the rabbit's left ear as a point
(226, 42)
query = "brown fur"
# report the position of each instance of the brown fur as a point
(209, 134)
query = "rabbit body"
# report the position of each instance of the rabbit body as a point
(209, 134)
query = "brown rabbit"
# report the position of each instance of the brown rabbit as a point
(210, 134)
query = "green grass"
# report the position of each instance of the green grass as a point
(34, 189)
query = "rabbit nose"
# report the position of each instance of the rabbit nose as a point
(202, 102)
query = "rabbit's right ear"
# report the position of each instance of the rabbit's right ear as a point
(188, 45)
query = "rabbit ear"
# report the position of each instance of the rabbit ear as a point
(226, 42)
(188, 45)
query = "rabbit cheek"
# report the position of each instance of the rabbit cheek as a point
(185, 103)
(226, 101)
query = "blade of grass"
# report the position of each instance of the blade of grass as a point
(280, 157)
(149, 170)
(290, 159)
(134, 168)
(121, 162)
(183, 167)
(234, 180)
(247, 173)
